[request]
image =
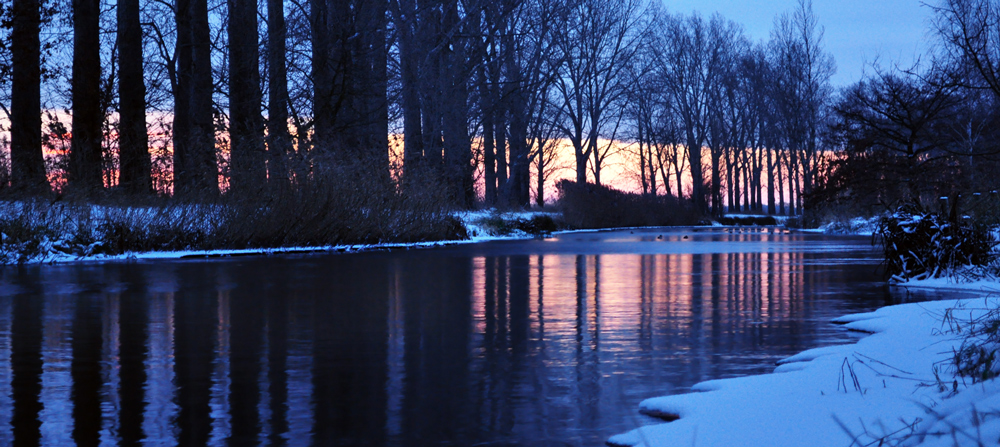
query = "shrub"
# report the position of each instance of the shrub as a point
(499, 224)
(593, 206)
(748, 220)
(924, 245)
(353, 209)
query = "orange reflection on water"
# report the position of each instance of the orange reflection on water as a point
(601, 296)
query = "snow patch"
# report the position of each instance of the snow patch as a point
(863, 226)
(884, 387)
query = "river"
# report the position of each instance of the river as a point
(538, 342)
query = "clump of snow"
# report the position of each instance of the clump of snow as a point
(864, 226)
(491, 224)
(982, 279)
(890, 388)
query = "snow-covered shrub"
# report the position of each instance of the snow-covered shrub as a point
(503, 224)
(920, 245)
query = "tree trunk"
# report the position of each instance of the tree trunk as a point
(279, 143)
(642, 158)
(500, 124)
(248, 169)
(27, 164)
(770, 183)
(581, 165)
(374, 87)
(133, 139)
(195, 167)
(457, 150)
(205, 166)
(697, 183)
(410, 88)
(433, 84)
(540, 179)
(516, 191)
(489, 150)
(322, 77)
(781, 185)
(731, 189)
(182, 101)
(85, 153)
(716, 188)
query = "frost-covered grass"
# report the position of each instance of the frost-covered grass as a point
(43, 232)
(900, 385)
(33, 231)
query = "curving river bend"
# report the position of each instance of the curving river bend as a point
(538, 342)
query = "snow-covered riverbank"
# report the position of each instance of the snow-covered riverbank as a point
(894, 386)
(477, 224)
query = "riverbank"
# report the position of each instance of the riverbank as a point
(895, 386)
(45, 234)
(478, 226)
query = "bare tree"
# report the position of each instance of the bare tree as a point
(85, 155)
(684, 60)
(970, 30)
(133, 140)
(279, 143)
(248, 171)
(195, 166)
(802, 91)
(27, 164)
(599, 39)
(904, 115)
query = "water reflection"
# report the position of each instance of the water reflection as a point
(498, 344)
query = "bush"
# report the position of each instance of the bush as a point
(350, 210)
(499, 224)
(354, 209)
(921, 245)
(748, 220)
(592, 206)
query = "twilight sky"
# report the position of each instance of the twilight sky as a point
(857, 31)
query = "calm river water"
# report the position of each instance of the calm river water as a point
(540, 342)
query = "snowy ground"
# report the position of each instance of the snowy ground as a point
(893, 387)
(475, 222)
(987, 286)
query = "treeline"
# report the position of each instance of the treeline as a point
(927, 135)
(482, 101)
(203, 97)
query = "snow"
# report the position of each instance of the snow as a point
(59, 257)
(477, 223)
(892, 384)
(864, 226)
(986, 285)
(55, 251)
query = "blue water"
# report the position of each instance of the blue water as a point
(539, 342)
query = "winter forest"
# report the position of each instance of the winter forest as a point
(476, 103)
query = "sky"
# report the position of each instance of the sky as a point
(857, 32)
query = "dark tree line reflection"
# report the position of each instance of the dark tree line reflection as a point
(419, 348)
